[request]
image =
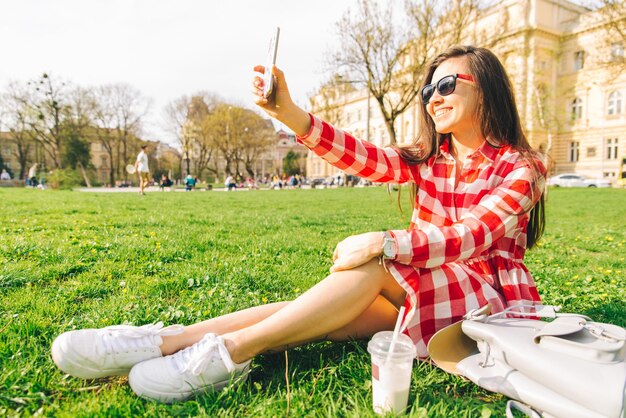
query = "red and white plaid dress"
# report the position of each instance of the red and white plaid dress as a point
(465, 246)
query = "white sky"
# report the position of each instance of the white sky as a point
(167, 48)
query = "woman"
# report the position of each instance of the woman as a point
(478, 206)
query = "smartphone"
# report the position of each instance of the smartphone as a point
(268, 78)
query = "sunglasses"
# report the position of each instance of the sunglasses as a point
(445, 86)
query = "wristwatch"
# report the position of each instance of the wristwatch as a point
(389, 246)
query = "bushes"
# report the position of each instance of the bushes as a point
(65, 179)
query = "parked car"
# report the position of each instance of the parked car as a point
(317, 183)
(576, 180)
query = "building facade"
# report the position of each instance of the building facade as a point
(569, 79)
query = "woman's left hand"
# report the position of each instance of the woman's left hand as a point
(357, 250)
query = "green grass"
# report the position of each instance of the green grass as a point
(74, 260)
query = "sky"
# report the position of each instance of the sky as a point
(168, 48)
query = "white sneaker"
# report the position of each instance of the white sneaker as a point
(203, 367)
(110, 351)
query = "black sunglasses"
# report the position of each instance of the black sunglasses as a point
(444, 86)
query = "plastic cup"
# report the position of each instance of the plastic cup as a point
(391, 373)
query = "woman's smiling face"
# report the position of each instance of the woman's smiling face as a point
(457, 111)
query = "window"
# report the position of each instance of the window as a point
(358, 115)
(591, 151)
(103, 161)
(617, 50)
(577, 108)
(611, 149)
(615, 103)
(573, 151)
(579, 60)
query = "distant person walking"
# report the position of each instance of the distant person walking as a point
(32, 175)
(230, 183)
(142, 169)
(190, 183)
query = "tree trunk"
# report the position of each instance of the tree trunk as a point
(82, 171)
(391, 129)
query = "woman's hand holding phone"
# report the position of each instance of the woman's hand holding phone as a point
(274, 99)
(272, 53)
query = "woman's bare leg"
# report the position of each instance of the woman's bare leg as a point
(330, 308)
(220, 325)
(379, 315)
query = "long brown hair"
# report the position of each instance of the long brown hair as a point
(498, 118)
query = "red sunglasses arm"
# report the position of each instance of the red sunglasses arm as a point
(465, 77)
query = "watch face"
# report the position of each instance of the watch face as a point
(389, 249)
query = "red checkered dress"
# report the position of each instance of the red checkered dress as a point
(465, 246)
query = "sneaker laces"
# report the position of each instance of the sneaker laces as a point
(196, 358)
(120, 338)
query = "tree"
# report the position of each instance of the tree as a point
(389, 57)
(612, 15)
(77, 152)
(77, 148)
(256, 139)
(226, 128)
(104, 125)
(199, 125)
(176, 116)
(16, 115)
(373, 49)
(548, 120)
(47, 101)
(291, 164)
(129, 107)
(117, 113)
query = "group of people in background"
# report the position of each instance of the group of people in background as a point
(142, 171)
(36, 176)
(5, 175)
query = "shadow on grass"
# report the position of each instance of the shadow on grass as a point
(613, 313)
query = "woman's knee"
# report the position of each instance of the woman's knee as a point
(374, 274)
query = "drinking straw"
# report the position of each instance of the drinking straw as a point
(396, 332)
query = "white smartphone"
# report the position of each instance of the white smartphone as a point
(268, 78)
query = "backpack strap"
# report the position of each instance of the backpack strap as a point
(522, 407)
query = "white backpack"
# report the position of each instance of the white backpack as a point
(569, 367)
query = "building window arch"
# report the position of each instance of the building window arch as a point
(611, 148)
(576, 108)
(573, 151)
(615, 103)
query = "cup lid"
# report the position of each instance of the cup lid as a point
(403, 348)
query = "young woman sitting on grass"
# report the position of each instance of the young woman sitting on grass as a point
(478, 206)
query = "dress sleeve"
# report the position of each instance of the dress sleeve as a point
(497, 214)
(360, 158)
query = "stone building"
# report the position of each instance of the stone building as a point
(569, 80)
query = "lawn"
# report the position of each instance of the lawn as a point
(74, 260)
